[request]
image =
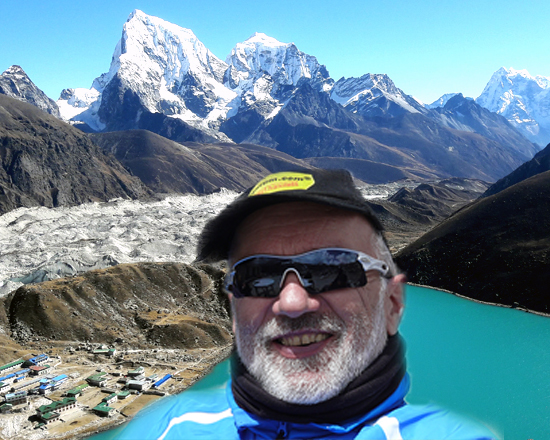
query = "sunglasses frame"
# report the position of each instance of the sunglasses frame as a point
(367, 262)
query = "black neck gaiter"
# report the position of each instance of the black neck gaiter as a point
(377, 382)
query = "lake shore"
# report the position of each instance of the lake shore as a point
(523, 309)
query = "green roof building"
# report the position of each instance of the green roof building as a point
(102, 409)
(11, 366)
(123, 394)
(77, 391)
(98, 379)
(57, 406)
(110, 398)
(49, 417)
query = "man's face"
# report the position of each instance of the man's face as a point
(306, 348)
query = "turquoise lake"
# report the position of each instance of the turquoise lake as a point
(486, 362)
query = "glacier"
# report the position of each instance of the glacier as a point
(39, 244)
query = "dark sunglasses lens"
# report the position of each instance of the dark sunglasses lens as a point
(329, 277)
(258, 277)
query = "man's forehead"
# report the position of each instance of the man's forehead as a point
(294, 227)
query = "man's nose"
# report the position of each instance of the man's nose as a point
(293, 300)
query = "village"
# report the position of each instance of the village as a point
(74, 392)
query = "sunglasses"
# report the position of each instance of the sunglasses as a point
(321, 270)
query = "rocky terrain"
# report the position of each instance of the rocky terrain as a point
(494, 250)
(166, 166)
(411, 212)
(148, 305)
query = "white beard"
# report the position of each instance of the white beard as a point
(322, 376)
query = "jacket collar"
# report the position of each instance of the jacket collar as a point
(248, 424)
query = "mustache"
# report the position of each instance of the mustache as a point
(281, 325)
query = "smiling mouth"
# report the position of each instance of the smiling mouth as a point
(305, 339)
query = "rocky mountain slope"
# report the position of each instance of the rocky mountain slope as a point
(166, 166)
(466, 115)
(496, 250)
(374, 95)
(14, 82)
(147, 304)
(312, 125)
(411, 212)
(46, 162)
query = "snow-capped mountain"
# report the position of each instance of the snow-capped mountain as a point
(157, 67)
(14, 82)
(262, 55)
(374, 95)
(522, 99)
(265, 73)
(163, 79)
(441, 101)
(162, 68)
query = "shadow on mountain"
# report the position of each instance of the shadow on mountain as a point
(539, 164)
(495, 250)
(166, 166)
(46, 162)
(312, 125)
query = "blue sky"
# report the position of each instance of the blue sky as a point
(427, 48)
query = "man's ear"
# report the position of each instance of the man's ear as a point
(395, 303)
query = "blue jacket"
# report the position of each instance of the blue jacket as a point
(213, 414)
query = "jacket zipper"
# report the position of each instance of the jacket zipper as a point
(282, 432)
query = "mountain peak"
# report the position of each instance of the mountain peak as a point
(283, 62)
(442, 100)
(521, 98)
(259, 37)
(15, 82)
(15, 70)
(373, 95)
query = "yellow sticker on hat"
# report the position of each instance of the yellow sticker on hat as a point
(285, 181)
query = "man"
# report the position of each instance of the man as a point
(316, 302)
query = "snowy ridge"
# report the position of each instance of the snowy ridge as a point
(441, 101)
(282, 61)
(522, 99)
(360, 95)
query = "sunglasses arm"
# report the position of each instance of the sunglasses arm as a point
(370, 263)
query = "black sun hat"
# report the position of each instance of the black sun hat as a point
(328, 187)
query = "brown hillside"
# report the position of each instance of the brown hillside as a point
(148, 304)
(497, 249)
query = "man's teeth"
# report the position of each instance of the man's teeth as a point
(305, 339)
